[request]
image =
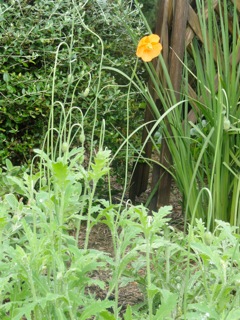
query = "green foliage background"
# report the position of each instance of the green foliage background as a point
(149, 8)
(30, 32)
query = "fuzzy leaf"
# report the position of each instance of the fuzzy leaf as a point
(60, 171)
(95, 308)
(12, 201)
(169, 302)
(128, 314)
(106, 315)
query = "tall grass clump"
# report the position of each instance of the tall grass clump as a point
(218, 86)
(205, 152)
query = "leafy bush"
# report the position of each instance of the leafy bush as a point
(149, 8)
(31, 32)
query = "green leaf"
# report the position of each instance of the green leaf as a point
(128, 314)
(3, 222)
(169, 303)
(60, 171)
(18, 182)
(12, 201)
(20, 253)
(233, 315)
(206, 309)
(106, 315)
(201, 248)
(9, 165)
(152, 291)
(207, 254)
(6, 77)
(95, 308)
(42, 154)
(25, 310)
(100, 165)
(51, 297)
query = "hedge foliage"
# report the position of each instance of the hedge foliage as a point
(30, 33)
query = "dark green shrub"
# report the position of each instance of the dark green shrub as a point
(149, 8)
(30, 33)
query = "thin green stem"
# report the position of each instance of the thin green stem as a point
(89, 215)
(149, 276)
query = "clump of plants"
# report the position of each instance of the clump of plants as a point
(46, 274)
(45, 207)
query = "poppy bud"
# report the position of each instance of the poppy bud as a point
(208, 238)
(64, 147)
(70, 78)
(86, 92)
(226, 124)
(44, 182)
(82, 137)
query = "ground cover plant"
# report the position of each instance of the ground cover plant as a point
(45, 207)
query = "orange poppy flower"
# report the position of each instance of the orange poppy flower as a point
(149, 47)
